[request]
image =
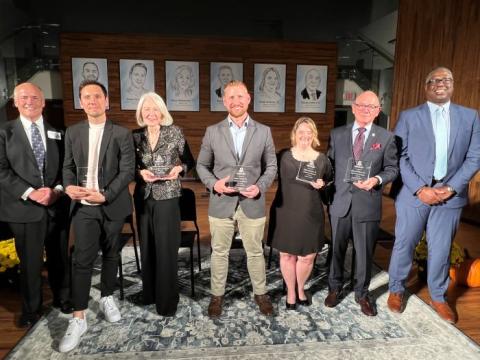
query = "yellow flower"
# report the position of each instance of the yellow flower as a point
(8, 255)
(421, 252)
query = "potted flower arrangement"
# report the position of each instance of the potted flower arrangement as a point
(421, 253)
(9, 260)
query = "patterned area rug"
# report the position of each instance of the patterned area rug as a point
(314, 332)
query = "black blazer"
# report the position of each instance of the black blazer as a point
(19, 171)
(117, 160)
(306, 95)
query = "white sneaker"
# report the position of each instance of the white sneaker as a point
(76, 328)
(110, 309)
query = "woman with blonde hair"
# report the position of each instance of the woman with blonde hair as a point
(297, 210)
(162, 156)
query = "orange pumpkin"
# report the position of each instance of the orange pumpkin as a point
(467, 273)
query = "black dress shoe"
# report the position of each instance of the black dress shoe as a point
(27, 320)
(65, 307)
(307, 301)
(367, 306)
(333, 298)
(289, 306)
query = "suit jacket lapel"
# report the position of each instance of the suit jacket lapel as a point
(83, 136)
(372, 136)
(348, 140)
(22, 139)
(454, 127)
(248, 138)
(426, 124)
(51, 159)
(107, 134)
(228, 137)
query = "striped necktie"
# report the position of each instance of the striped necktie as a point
(358, 144)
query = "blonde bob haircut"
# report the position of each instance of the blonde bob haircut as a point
(159, 103)
(313, 127)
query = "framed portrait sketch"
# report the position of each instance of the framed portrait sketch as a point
(87, 69)
(136, 78)
(269, 93)
(311, 89)
(220, 75)
(182, 85)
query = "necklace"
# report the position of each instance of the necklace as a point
(304, 155)
(152, 136)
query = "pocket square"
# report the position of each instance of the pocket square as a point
(376, 146)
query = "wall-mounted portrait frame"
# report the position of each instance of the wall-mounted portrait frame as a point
(87, 69)
(137, 77)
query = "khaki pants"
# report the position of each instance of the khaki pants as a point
(251, 231)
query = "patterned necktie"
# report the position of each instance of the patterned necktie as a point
(441, 144)
(38, 148)
(358, 144)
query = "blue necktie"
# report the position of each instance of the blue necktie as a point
(38, 148)
(441, 144)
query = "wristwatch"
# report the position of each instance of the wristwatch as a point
(451, 189)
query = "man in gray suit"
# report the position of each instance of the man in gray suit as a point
(357, 207)
(237, 140)
(440, 153)
(101, 202)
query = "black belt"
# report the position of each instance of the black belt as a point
(435, 181)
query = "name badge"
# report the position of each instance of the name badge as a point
(54, 135)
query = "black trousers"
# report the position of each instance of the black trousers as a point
(51, 233)
(93, 231)
(159, 229)
(364, 235)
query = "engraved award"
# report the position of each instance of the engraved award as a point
(239, 178)
(357, 170)
(307, 172)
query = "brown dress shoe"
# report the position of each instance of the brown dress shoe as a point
(215, 307)
(367, 306)
(333, 298)
(444, 311)
(264, 304)
(395, 302)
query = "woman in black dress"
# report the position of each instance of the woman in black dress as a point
(162, 155)
(298, 232)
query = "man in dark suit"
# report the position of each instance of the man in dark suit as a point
(312, 82)
(440, 153)
(32, 201)
(99, 157)
(357, 207)
(242, 143)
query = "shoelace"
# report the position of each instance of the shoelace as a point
(73, 323)
(109, 303)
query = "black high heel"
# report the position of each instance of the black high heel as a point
(289, 306)
(307, 301)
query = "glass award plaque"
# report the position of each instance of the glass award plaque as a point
(307, 172)
(357, 170)
(160, 170)
(89, 178)
(239, 178)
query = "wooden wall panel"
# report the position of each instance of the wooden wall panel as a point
(434, 33)
(204, 50)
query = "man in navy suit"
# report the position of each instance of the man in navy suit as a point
(356, 209)
(440, 153)
(32, 201)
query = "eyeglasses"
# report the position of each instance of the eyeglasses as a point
(369, 107)
(437, 81)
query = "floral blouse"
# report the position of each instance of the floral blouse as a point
(171, 149)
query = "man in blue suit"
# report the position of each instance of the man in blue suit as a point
(440, 153)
